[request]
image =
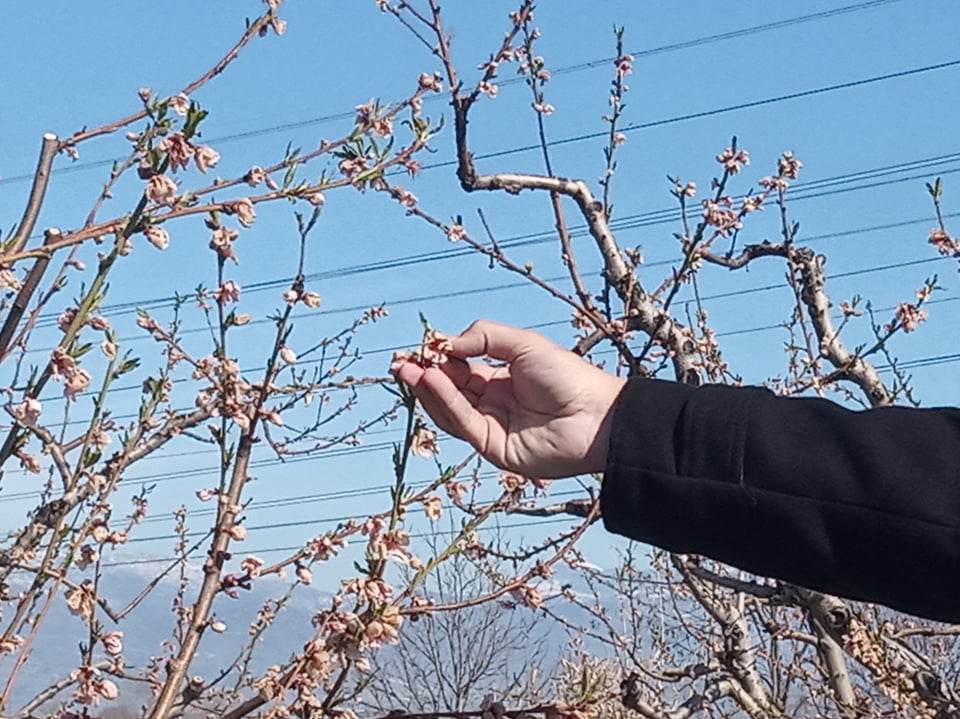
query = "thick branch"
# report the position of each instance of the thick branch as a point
(41, 178)
(814, 296)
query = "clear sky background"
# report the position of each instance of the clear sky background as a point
(867, 148)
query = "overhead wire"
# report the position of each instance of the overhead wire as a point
(561, 70)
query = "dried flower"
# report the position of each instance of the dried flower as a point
(310, 299)
(157, 236)
(205, 157)
(433, 508)
(423, 443)
(244, 211)
(161, 189)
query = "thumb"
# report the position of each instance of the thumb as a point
(492, 339)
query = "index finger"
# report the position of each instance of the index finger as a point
(492, 339)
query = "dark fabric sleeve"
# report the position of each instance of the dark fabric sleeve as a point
(863, 504)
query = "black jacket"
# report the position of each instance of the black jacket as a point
(865, 504)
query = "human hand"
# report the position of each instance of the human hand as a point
(545, 413)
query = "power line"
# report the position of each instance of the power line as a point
(707, 113)
(566, 69)
(799, 192)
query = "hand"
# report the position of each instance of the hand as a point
(545, 413)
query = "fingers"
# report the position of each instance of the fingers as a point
(486, 338)
(449, 407)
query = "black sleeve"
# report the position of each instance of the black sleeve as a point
(865, 504)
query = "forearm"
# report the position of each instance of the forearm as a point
(861, 504)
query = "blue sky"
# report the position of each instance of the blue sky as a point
(80, 64)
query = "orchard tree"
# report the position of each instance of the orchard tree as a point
(696, 637)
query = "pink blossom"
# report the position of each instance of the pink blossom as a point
(431, 82)
(291, 297)
(624, 65)
(944, 243)
(179, 151)
(217, 626)
(255, 175)
(619, 138)
(456, 232)
(288, 355)
(66, 318)
(113, 643)
(732, 161)
(489, 88)
(180, 104)
(29, 462)
(406, 198)
(909, 316)
(435, 348)
(527, 596)
(206, 494)
(849, 311)
(544, 108)
(107, 689)
(789, 166)
(88, 555)
(145, 93)
(157, 236)
(252, 566)
(352, 166)
(304, 574)
(323, 547)
(228, 292)
(316, 198)
(61, 364)
(76, 383)
(28, 412)
(237, 532)
(206, 157)
(99, 323)
(161, 189)
(222, 242)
